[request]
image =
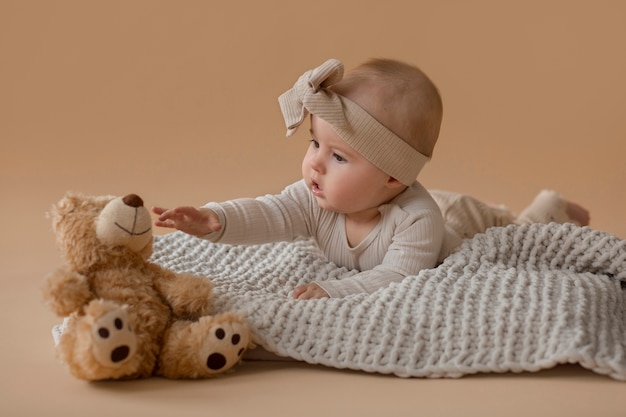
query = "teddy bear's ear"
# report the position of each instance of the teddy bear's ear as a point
(69, 202)
(65, 205)
(73, 200)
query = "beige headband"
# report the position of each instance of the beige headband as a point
(379, 145)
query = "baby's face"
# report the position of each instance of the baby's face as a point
(339, 177)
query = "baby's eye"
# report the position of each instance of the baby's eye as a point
(315, 143)
(339, 158)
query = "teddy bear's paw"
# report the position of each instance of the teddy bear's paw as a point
(226, 340)
(114, 341)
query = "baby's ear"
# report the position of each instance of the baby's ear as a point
(394, 183)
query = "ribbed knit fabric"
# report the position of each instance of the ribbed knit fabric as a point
(516, 298)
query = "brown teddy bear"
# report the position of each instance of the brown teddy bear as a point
(127, 317)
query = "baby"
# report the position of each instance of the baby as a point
(371, 134)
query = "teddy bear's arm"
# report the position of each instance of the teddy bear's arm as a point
(66, 291)
(189, 296)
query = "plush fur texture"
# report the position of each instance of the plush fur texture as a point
(127, 317)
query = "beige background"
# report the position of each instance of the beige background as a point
(176, 101)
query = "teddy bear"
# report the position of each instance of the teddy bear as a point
(126, 317)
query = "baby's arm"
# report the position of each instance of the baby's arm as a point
(191, 220)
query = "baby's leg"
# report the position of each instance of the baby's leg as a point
(464, 216)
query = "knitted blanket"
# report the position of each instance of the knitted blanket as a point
(518, 298)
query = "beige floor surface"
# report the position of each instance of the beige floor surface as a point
(176, 101)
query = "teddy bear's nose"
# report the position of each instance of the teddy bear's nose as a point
(133, 200)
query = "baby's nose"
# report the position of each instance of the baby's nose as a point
(317, 164)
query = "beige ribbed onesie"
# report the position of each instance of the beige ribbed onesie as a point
(411, 235)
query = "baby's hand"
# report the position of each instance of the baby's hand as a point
(191, 220)
(309, 292)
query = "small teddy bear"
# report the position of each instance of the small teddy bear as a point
(125, 316)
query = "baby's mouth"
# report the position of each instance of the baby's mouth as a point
(316, 190)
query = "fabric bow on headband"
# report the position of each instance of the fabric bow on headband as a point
(379, 145)
(310, 93)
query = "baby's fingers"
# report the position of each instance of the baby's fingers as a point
(308, 292)
(165, 218)
(159, 210)
(299, 290)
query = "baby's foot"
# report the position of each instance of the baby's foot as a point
(549, 206)
(577, 214)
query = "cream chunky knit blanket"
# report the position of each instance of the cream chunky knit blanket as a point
(517, 298)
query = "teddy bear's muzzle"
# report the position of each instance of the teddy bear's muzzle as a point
(124, 221)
